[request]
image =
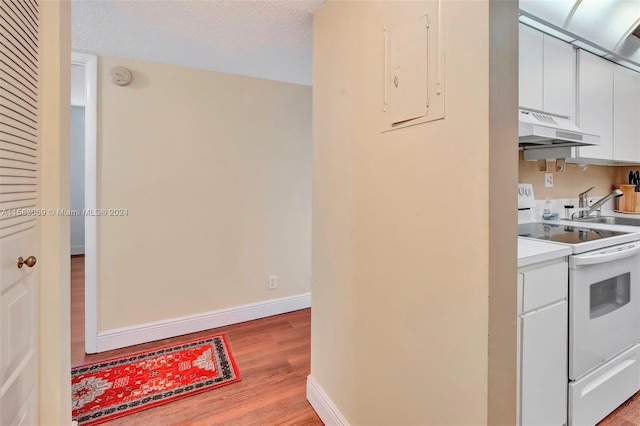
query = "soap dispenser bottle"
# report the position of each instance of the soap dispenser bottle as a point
(547, 212)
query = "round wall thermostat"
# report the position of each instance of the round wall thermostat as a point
(120, 76)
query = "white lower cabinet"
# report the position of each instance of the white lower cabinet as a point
(542, 344)
(543, 377)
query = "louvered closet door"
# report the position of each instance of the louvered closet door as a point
(19, 210)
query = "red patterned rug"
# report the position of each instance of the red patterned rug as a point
(121, 386)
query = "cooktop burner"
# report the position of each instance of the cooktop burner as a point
(563, 233)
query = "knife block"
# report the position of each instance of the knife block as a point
(629, 202)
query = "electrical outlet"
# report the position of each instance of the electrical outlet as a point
(548, 180)
(273, 281)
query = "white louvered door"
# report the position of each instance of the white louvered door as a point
(19, 210)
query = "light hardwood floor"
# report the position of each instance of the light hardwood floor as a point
(273, 355)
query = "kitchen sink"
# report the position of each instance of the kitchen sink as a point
(612, 220)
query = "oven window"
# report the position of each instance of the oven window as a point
(609, 295)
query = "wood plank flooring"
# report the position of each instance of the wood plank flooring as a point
(628, 414)
(273, 355)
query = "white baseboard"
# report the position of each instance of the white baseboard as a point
(322, 404)
(128, 336)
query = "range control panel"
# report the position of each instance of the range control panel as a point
(525, 196)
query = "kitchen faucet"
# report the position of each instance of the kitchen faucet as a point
(584, 209)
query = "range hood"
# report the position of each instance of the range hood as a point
(541, 130)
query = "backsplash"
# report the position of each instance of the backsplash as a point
(573, 180)
(535, 213)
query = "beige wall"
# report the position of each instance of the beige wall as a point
(400, 315)
(215, 171)
(571, 182)
(53, 259)
(503, 172)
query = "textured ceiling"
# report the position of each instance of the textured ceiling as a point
(269, 39)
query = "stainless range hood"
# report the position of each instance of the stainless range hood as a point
(540, 130)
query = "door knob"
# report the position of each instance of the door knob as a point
(29, 261)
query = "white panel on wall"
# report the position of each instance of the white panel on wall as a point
(408, 84)
(413, 66)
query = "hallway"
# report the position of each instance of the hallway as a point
(273, 355)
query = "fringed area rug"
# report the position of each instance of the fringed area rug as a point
(120, 386)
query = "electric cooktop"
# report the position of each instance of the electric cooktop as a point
(563, 233)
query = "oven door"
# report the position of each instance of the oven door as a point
(604, 305)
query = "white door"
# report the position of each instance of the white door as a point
(19, 201)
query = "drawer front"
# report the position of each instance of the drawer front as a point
(600, 392)
(543, 286)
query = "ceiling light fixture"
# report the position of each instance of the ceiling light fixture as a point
(607, 28)
(546, 29)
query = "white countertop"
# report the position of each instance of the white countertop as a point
(532, 251)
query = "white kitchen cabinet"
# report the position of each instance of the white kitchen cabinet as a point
(559, 72)
(542, 286)
(595, 104)
(626, 115)
(531, 61)
(547, 73)
(542, 344)
(544, 366)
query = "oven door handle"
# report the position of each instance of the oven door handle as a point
(605, 256)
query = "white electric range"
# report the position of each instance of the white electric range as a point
(604, 311)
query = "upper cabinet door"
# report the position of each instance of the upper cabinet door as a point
(547, 73)
(559, 71)
(595, 103)
(531, 68)
(626, 115)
